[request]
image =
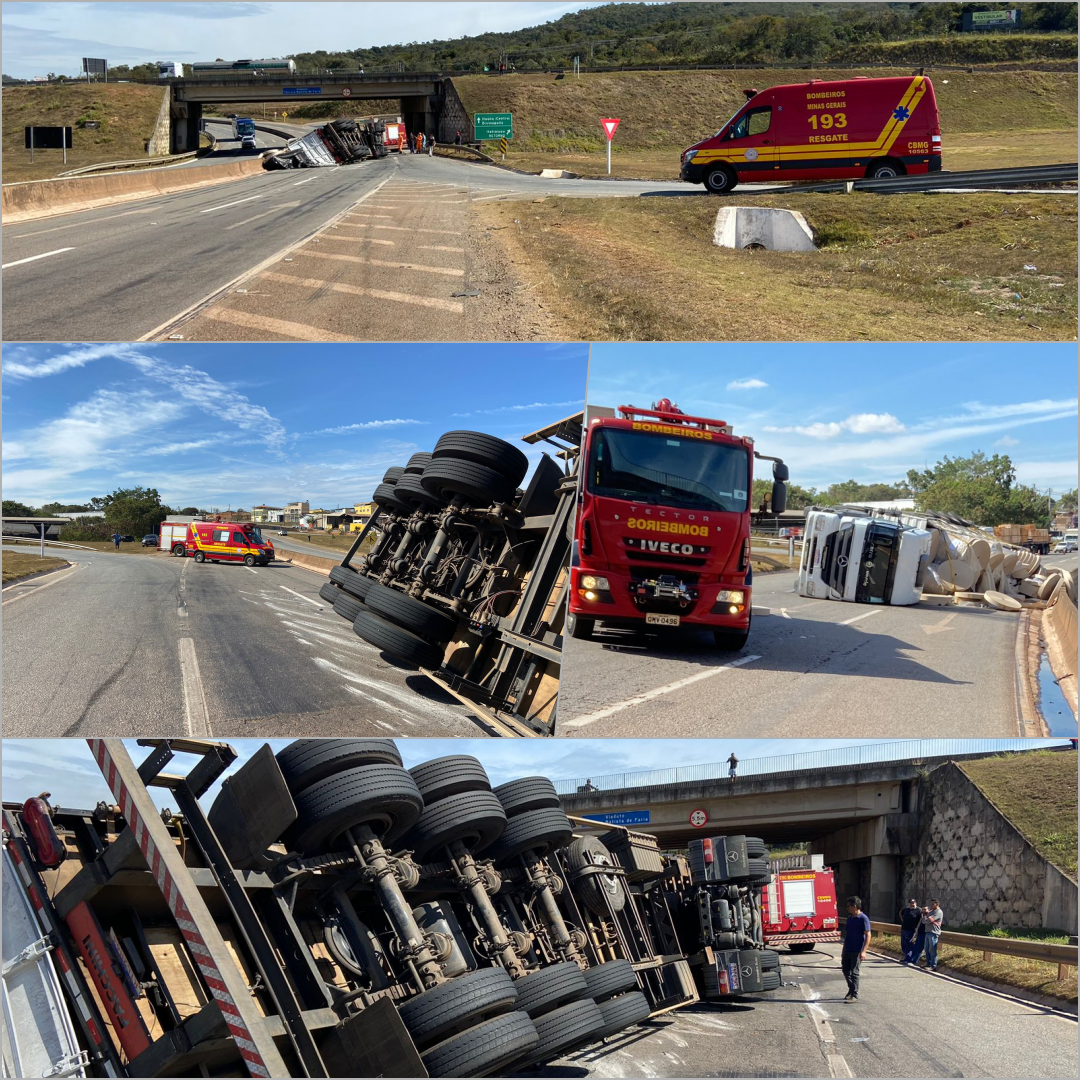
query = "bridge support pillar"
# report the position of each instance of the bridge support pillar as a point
(883, 903)
(185, 119)
(418, 115)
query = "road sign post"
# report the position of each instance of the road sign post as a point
(609, 127)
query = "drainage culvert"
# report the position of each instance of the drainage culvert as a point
(762, 228)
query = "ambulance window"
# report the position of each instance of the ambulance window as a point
(754, 122)
(221, 536)
(238, 538)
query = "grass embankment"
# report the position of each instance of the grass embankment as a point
(911, 268)
(1035, 976)
(18, 565)
(126, 115)
(988, 118)
(1038, 794)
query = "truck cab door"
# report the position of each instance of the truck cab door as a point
(750, 143)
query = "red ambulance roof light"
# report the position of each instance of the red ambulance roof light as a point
(47, 846)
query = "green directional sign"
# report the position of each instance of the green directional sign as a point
(493, 126)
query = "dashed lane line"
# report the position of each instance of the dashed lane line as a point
(859, 618)
(34, 258)
(301, 595)
(196, 714)
(236, 202)
(291, 331)
(650, 695)
(376, 294)
(266, 213)
(838, 1066)
(446, 271)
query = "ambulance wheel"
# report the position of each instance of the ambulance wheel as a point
(720, 180)
(579, 628)
(200, 556)
(178, 549)
(884, 170)
(249, 560)
(801, 946)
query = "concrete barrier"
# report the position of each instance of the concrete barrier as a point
(1060, 630)
(47, 198)
(762, 227)
(310, 562)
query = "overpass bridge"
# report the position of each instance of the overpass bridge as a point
(428, 99)
(865, 817)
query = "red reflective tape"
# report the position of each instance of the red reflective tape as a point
(14, 852)
(36, 900)
(92, 1027)
(61, 959)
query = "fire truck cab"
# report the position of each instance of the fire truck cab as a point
(220, 541)
(798, 909)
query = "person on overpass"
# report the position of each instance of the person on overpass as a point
(733, 765)
(910, 932)
(932, 918)
(856, 942)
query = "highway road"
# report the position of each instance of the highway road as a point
(811, 669)
(907, 1023)
(152, 645)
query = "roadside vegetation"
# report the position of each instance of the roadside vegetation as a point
(914, 268)
(18, 565)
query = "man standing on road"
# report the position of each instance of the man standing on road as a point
(116, 540)
(910, 925)
(932, 919)
(733, 765)
(856, 942)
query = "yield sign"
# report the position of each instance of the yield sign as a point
(609, 127)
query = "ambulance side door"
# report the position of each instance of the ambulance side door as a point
(750, 144)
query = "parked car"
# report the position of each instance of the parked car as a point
(283, 532)
(127, 539)
(1065, 547)
(150, 540)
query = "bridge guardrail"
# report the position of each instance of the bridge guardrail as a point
(8, 539)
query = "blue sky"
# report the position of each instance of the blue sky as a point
(868, 412)
(39, 38)
(237, 425)
(66, 768)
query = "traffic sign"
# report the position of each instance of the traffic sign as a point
(493, 126)
(699, 819)
(346, 92)
(622, 817)
(301, 91)
(609, 127)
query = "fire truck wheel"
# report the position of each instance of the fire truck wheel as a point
(381, 796)
(600, 893)
(417, 463)
(410, 613)
(307, 761)
(801, 946)
(351, 581)
(607, 980)
(885, 169)
(446, 477)
(547, 988)
(770, 980)
(348, 607)
(200, 556)
(452, 775)
(393, 475)
(527, 793)
(721, 180)
(384, 496)
(623, 1012)
(249, 560)
(579, 628)
(396, 641)
(503, 457)
(329, 593)
(476, 995)
(178, 549)
(409, 489)
(538, 830)
(484, 1049)
(770, 960)
(476, 818)
(573, 1025)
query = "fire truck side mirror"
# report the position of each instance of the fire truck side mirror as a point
(779, 471)
(779, 496)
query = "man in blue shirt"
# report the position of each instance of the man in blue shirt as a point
(856, 941)
(911, 932)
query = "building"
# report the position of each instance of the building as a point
(361, 513)
(235, 517)
(267, 515)
(293, 512)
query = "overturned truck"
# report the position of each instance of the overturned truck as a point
(334, 914)
(341, 142)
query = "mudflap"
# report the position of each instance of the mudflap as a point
(373, 1042)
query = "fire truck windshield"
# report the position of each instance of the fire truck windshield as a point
(669, 470)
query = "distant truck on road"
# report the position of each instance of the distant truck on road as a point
(170, 69)
(798, 909)
(244, 131)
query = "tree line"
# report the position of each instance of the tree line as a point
(136, 511)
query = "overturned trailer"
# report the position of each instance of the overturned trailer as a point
(341, 142)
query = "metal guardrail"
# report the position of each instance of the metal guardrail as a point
(812, 761)
(36, 541)
(141, 163)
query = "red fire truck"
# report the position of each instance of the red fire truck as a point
(662, 536)
(798, 909)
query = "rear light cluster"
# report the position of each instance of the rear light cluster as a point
(45, 842)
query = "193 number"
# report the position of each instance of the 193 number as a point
(828, 120)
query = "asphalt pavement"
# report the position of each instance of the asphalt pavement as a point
(152, 645)
(907, 1023)
(811, 669)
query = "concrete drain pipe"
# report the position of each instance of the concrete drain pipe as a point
(762, 228)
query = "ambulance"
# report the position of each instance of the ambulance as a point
(852, 129)
(798, 909)
(219, 541)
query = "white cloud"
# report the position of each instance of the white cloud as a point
(172, 449)
(747, 384)
(522, 408)
(367, 425)
(18, 368)
(1007, 440)
(857, 424)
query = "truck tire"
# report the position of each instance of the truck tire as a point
(885, 169)
(409, 489)
(565, 1028)
(447, 477)
(446, 776)
(801, 946)
(417, 463)
(348, 607)
(384, 496)
(410, 613)
(548, 988)
(329, 592)
(720, 180)
(770, 980)
(483, 1050)
(596, 891)
(536, 830)
(396, 641)
(178, 549)
(352, 582)
(382, 796)
(503, 457)
(476, 818)
(606, 980)
(527, 793)
(623, 1012)
(200, 556)
(393, 475)
(476, 995)
(249, 560)
(307, 761)
(579, 628)
(728, 641)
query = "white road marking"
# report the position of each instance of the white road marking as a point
(301, 595)
(440, 247)
(290, 331)
(307, 181)
(360, 694)
(341, 643)
(501, 195)
(196, 715)
(859, 618)
(76, 224)
(451, 306)
(410, 697)
(225, 206)
(649, 695)
(250, 570)
(265, 213)
(445, 271)
(34, 258)
(63, 575)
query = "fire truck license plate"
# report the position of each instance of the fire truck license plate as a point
(652, 619)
